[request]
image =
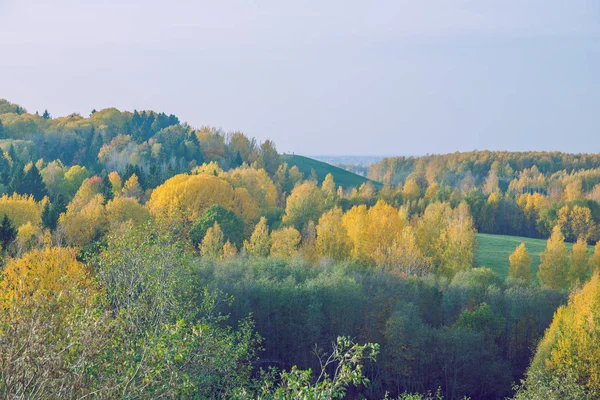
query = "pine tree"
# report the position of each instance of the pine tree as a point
(46, 115)
(3, 134)
(520, 264)
(106, 189)
(8, 233)
(33, 184)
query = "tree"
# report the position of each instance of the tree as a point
(268, 158)
(411, 190)
(8, 233)
(132, 188)
(285, 242)
(34, 184)
(3, 134)
(305, 203)
(554, 265)
(259, 244)
(106, 189)
(595, 259)
(520, 264)
(570, 347)
(332, 237)
(578, 263)
(231, 225)
(212, 243)
(46, 115)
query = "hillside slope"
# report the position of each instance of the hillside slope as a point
(342, 177)
(494, 250)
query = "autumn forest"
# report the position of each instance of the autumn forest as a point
(142, 257)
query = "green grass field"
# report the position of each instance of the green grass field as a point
(341, 177)
(494, 251)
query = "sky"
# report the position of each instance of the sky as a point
(326, 77)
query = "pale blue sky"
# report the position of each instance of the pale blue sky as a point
(321, 77)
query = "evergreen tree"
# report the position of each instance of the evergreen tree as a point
(49, 217)
(8, 233)
(46, 115)
(3, 134)
(4, 169)
(106, 189)
(33, 184)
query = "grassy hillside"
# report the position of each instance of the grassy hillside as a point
(342, 177)
(494, 251)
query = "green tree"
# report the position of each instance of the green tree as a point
(8, 233)
(231, 225)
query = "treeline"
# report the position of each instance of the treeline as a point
(510, 193)
(189, 271)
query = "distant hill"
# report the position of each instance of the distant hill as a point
(342, 177)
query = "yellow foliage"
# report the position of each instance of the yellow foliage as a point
(185, 198)
(332, 237)
(554, 266)
(116, 183)
(82, 225)
(123, 209)
(51, 273)
(229, 250)
(212, 243)
(259, 244)
(132, 188)
(572, 342)
(578, 263)
(21, 209)
(520, 264)
(258, 184)
(285, 242)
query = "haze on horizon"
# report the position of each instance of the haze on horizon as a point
(330, 78)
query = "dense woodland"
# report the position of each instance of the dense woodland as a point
(142, 257)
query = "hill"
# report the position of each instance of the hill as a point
(342, 177)
(494, 250)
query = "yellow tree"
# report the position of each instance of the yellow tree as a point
(123, 209)
(50, 273)
(355, 221)
(116, 183)
(84, 223)
(520, 264)
(411, 190)
(132, 188)
(329, 190)
(260, 241)
(578, 263)
(458, 242)
(305, 203)
(229, 250)
(332, 237)
(554, 265)
(212, 243)
(570, 346)
(285, 242)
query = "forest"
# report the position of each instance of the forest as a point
(144, 258)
